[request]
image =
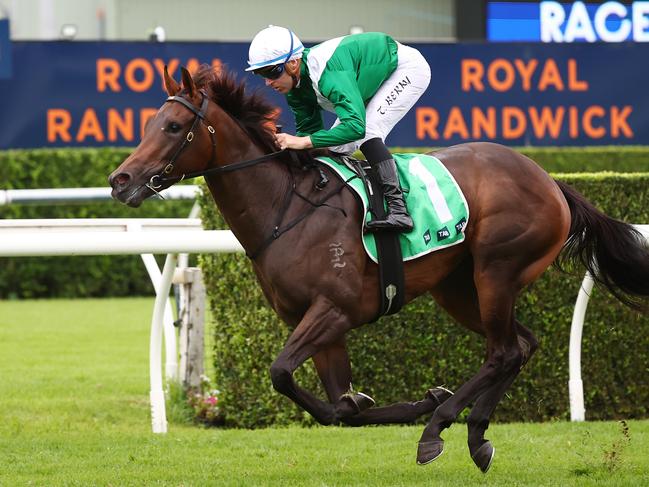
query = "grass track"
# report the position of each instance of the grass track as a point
(74, 411)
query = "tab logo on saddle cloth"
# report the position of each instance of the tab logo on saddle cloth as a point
(443, 234)
(434, 200)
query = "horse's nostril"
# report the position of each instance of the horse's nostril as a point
(121, 179)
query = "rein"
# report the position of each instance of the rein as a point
(234, 166)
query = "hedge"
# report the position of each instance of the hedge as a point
(35, 277)
(589, 159)
(581, 159)
(399, 357)
(123, 275)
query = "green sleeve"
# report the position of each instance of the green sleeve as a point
(308, 115)
(341, 89)
(307, 120)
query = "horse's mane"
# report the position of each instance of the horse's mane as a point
(254, 113)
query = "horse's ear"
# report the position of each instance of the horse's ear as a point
(188, 82)
(170, 84)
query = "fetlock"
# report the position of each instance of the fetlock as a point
(476, 429)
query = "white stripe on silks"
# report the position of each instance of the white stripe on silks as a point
(317, 62)
(417, 168)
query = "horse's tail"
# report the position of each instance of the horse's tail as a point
(614, 252)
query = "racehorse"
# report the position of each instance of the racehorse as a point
(521, 220)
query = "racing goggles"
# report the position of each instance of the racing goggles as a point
(271, 72)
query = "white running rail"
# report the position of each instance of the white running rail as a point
(56, 196)
(81, 195)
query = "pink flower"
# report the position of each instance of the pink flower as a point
(211, 400)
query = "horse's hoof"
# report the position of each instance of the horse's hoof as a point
(359, 401)
(427, 451)
(438, 394)
(484, 456)
(363, 401)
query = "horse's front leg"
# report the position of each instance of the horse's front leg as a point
(353, 408)
(322, 326)
(334, 369)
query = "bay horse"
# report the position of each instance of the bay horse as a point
(520, 221)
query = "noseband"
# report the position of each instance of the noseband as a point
(157, 180)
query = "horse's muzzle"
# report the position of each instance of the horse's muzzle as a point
(125, 191)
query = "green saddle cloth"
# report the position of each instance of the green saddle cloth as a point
(434, 200)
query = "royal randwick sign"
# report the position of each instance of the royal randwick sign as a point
(74, 94)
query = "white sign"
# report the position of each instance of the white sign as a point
(578, 25)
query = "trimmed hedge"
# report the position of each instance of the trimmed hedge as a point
(122, 275)
(399, 357)
(35, 277)
(581, 159)
(589, 159)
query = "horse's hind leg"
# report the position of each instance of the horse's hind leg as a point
(486, 307)
(478, 421)
(334, 369)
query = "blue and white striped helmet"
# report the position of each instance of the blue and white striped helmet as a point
(273, 45)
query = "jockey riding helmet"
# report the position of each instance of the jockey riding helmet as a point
(273, 46)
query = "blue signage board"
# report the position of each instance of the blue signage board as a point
(550, 21)
(97, 93)
(5, 49)
(533, 94)
(67, 94)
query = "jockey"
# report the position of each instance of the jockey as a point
(368, 80)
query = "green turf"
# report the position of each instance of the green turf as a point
(74, 411)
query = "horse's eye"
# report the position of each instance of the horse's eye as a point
(173, 127)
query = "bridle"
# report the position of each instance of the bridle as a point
(158, 180)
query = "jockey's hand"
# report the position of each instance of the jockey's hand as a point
(287, 141)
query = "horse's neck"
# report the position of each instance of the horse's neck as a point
(250, 199)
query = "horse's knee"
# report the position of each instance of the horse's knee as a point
(281, 378)
(506, 360)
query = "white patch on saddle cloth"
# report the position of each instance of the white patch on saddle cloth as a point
(432, 188)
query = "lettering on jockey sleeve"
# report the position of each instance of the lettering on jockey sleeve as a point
(394, 94)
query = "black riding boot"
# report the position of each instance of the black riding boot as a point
(397, 219)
